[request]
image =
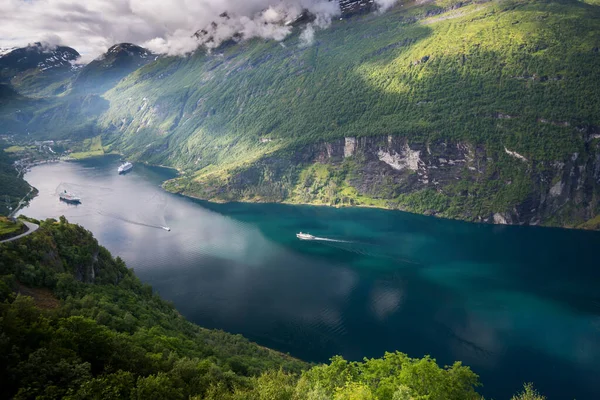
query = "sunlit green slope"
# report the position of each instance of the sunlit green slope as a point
(497, 76)
(484, 111)
(449, 75)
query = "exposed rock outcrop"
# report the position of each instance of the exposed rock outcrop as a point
(466, 178)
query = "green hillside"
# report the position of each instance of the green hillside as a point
(75, 323)
(84, 323)
(482, 111)
(496, 76)
(12, 187)
(402, 73)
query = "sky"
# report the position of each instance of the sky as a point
(163, 26)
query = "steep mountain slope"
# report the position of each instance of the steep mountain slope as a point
(38, 69)
(69, 116)
(8, 94)
(478, 111)
(484, 111)
(105, 71)
(92, 318)
(16, 110)
(12, 187)
(71, 100)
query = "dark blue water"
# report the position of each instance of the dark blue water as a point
(516, 304)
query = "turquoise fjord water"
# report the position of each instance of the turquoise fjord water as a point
(517, 304)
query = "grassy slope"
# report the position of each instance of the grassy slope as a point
(9, 229)
(88, 148)
(528, 59)
(447, 75)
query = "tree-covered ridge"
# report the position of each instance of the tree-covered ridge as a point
(425, 71)
(75, 323)
(92, 322)
(12, 186)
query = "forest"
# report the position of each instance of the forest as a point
(76, 323)
(12, 186)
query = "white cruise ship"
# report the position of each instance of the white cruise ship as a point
(125, 167)
(69, 198)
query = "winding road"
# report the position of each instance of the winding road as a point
(21, 203)
(30, 229)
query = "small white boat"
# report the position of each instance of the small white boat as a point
(166, 228)
(305, 236)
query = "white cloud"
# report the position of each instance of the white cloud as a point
(307, 37)
(384, 5)
(165, 26)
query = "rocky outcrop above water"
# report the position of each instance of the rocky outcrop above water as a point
(451, 179)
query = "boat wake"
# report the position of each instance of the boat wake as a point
(129, 221)
(78, 188)
(366, 249)
(149, 213)
(331, 240)
(308, 236)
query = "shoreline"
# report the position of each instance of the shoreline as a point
(482, 223)
(359, 206)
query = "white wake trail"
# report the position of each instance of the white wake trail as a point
(331, 240)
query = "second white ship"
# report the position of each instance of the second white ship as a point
(125, 167)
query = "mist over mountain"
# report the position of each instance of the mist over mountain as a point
(168, 28)
(39, 68)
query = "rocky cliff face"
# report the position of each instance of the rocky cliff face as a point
(449, 179)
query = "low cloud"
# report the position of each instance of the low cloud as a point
(384, 5)
(322, 21)
(163, 26)
(307, 37)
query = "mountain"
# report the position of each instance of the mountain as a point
(349, 7)
(8, 94)
(76, 323)
(105, 71)
(37, 56)
(482, 111)
(38, 69)
(5, 50)
(12, 187)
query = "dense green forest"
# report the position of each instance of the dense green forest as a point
(76, 323)
(12, 186)
(444, 69)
